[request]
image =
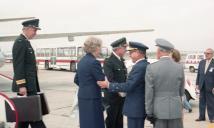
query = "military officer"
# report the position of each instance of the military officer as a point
(164, 89)
(115, 70)
(134, 106)
(25, 81)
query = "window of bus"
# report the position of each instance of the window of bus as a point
(47, 52)
(42, 52)
(200, 57)
(38, 52)
(73, 51)
(68, 51)
(80, 51)
(53, 51)
(60, 52)
(192, 57)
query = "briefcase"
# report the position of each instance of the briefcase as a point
(28, 108)
(211, 125)
(44, 103)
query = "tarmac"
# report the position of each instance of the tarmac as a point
(60, 92)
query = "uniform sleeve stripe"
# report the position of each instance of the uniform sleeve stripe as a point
(22, 81)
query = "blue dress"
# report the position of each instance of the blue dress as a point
(89, 71)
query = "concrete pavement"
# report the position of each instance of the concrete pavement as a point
(60, 91)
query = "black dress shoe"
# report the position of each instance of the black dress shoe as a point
(200, 119)
(211, 121)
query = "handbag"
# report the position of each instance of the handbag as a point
(44, 103)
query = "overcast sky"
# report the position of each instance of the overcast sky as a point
(188, 24)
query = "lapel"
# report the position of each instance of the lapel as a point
(23, 37)
(142, 61)
(203, 65)
(117, 60)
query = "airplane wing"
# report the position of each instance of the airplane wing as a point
(13, 19)
(71, 35)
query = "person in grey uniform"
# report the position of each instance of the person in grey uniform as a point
(164, 89)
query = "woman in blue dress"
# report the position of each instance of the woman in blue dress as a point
(89, 71)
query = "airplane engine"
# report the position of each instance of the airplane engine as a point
(2, 59)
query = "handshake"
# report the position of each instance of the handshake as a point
(103, 84)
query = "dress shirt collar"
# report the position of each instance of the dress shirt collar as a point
(116, 55)
(139, 60)
(25, 36)
(165, 57)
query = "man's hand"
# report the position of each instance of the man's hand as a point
(103, 84)
(151, 118)
(23, 91)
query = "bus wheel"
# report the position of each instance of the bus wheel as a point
(191, 69)
(46, 65)
(72, 67)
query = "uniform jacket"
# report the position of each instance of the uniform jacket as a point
(115, 70)
(205, 78)
(134, 105)
(164, 89)
(89, 71)
(24, 64)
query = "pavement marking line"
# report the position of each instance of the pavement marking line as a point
(59, 108)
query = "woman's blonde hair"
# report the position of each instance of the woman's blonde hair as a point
(91, 44)
(176, 56)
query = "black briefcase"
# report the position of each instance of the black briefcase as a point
(28, 108)
(44, 103)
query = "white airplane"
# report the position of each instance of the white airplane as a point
(70, 36)
(2, 57)
(14, 19)
(74, 34)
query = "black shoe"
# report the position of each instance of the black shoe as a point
(190, 110)
(211, 121)
(200, 119)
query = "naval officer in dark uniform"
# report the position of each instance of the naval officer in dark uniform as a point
(134, 106)
(25, 81)
(115, 70)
